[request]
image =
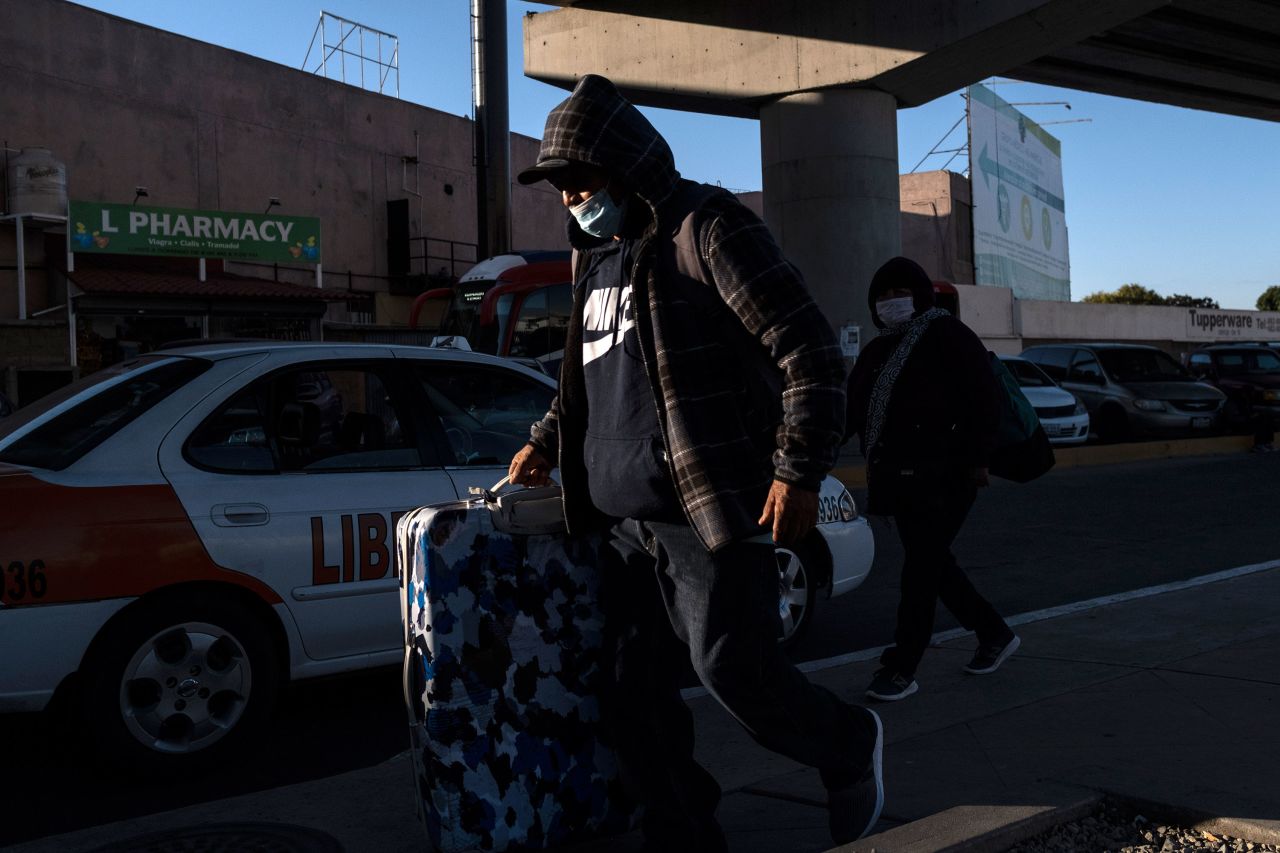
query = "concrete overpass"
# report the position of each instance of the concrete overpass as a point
(825, 78)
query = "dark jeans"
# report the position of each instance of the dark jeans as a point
(667, 600)
(1263, 424)
(928, 521)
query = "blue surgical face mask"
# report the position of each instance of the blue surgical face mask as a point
(599, 215)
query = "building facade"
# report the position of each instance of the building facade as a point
(124, 106)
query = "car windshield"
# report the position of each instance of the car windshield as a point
(1028, 375)
(100, 406)
(1237, 362)
(1142, 365)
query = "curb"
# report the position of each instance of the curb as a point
(855, 476)
(994, 829)
(1256, 830)
(1111, 454)
(972, 829)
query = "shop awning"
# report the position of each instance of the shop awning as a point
(149, 284)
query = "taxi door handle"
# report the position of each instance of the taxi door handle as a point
(240, 515)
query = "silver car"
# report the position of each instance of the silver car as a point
(1132, 390)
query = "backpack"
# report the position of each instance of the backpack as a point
(1022, 450)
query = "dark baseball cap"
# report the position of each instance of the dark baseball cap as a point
(543, 169)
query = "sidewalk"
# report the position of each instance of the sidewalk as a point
(1172, 697)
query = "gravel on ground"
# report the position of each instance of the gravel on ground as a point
(1113, 826)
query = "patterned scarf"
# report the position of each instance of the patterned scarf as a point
(878, 410)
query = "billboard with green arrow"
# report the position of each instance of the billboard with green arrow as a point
(1019, 216)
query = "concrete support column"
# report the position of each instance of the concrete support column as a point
(830, 164)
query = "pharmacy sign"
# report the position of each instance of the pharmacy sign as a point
(124, 229)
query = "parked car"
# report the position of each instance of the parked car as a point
(1064, 418)
(187, 531)
(1248, 374)
(1131, 390)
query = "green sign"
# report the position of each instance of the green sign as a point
(124, 229)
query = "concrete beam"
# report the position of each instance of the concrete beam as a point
(1042, 31)
(1129, 57)
(731, 58)
(1053, 71)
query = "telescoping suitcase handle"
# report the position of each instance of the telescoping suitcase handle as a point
(524, 512)
(491, 493)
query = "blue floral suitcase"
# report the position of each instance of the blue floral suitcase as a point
(502, 643)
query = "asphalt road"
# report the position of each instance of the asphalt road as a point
(1073, 535)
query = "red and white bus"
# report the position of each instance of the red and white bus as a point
(515, 305)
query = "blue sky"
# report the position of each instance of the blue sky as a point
(1175, 199)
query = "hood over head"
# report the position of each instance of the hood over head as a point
(901, 272)
(596, 125)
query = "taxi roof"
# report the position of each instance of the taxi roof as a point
(215, 350)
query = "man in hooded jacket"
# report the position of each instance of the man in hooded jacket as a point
(924, 400)
(701, 403)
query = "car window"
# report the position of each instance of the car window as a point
(1027, 374)
(485, 412)
(1085, 368)
(1200, 359)
(69, 435)
(319, 418)
(543, 323)
(560, 297)
(1265, 362)
(1232, 363)
(1142, 365)
(1052, 360)
(234, 439)
(530, 333)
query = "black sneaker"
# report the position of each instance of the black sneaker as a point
(890, 686)
(989, 656)
(853, 811)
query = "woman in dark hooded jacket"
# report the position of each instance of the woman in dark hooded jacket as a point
(924, 402)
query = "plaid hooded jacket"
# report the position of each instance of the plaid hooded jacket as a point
(746, 372)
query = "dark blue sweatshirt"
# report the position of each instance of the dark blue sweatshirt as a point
(627, 469)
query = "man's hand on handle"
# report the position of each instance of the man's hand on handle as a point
(529, 468)
(790, 511)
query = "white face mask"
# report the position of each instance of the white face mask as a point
(896, 311)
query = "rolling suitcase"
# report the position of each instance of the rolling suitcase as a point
(502, 640)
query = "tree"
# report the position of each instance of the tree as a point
(1270, 299)
(1126, 294)
(1136, 294)
(1184, 301)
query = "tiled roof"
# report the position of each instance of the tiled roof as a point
(125, 282)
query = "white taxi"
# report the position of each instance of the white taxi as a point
(186, 532)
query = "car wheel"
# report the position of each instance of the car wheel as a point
(1113, 426)
(797, 595)
(179, 683)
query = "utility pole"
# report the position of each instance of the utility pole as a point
(492, 126)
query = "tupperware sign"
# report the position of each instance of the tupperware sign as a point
(1220, 325)
(123, 229)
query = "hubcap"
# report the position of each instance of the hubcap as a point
(793, 591)
(185, 688)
